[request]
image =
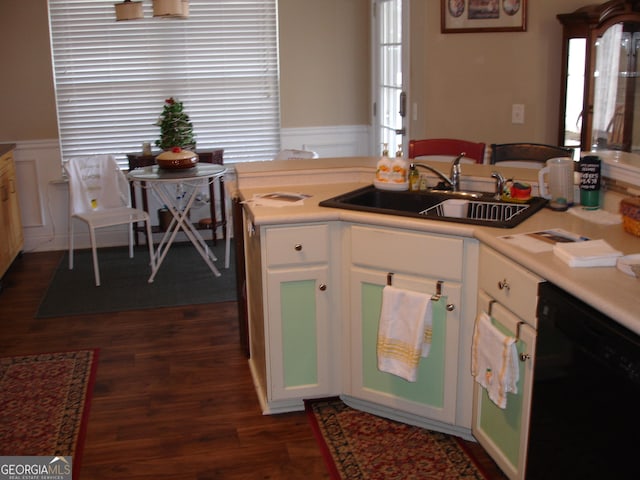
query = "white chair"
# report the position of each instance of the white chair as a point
(293, 154)
(99, 196)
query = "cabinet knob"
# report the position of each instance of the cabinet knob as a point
(298, 247)
(524, 357)
(450, 307)
(504, 285)
(323, 287)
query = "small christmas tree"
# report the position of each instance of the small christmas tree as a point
(176, 129)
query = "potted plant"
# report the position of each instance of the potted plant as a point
(176, 129)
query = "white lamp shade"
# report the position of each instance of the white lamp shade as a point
(171, 8)
(129, 10)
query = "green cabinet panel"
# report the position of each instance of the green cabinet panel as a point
(299, 338)
(429, 387)
(505, 424)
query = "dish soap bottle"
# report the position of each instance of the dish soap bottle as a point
(414, 178)
(399, 168)
(383, 169)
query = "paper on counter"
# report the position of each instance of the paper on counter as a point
(591, 253)
(544, 240)
(599, 216)
(277, 199)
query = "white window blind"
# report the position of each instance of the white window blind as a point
(112, 77)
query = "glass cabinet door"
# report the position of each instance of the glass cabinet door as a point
(615, 77)
(600, 74)
(574, 102)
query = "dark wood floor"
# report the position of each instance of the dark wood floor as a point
(173, 397)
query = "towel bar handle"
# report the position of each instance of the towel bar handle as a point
(436, 296)
(518, 330)
(523, 356)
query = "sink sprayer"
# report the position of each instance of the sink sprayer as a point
(453, 181)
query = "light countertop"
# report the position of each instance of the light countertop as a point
(605, 288)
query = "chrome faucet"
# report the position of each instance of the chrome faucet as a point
(454, 179)
(500, 182)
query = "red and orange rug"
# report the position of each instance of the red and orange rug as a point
(359, 445)
(44, 404)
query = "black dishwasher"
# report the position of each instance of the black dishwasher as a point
(585, 413)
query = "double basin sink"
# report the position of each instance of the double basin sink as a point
(476, 208)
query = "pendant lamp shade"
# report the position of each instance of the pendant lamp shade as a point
(171, 8)
(128, 10)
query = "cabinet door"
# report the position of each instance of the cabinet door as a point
(299, 329)
(433, 395)
(5, 223)
(504, 433)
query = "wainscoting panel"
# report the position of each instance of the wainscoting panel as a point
(44, 196)
(29, 197)
(43, 210)
(329, 142)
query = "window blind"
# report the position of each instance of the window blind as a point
(112, 78)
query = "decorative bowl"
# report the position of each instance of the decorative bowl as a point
(630, 209)
(176, 159)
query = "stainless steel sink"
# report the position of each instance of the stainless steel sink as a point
(462, 207)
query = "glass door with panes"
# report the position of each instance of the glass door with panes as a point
(390, 78)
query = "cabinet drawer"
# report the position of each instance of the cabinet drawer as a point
(510, 284)
(406, 252)
(297, 245)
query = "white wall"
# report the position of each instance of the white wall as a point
(44, 198)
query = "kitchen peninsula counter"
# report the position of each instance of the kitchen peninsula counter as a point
(605, 288)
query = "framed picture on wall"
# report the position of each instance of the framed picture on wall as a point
(468, 16)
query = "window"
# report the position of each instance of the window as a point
(112, 77)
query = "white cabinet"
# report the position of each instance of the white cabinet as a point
(418, 261)
(290, 320)
(11, 236)
(509, 293)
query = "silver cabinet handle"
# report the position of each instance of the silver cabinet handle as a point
(298, 247)
(524, 357)
(504, 285)
(323, 287)
(450, 307)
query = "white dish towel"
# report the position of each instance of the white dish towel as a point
(494, 360)
(404, 333)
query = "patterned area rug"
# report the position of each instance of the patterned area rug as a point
(44, 404)
(358, 445)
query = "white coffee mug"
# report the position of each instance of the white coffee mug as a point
(560, 182)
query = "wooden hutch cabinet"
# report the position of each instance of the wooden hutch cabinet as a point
(600, 93)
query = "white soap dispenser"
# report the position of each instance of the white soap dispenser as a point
(400, 170)
(383, 169)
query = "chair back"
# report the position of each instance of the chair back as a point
(293, 154)
(527, 154)
(449, 148)
(96, 183)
